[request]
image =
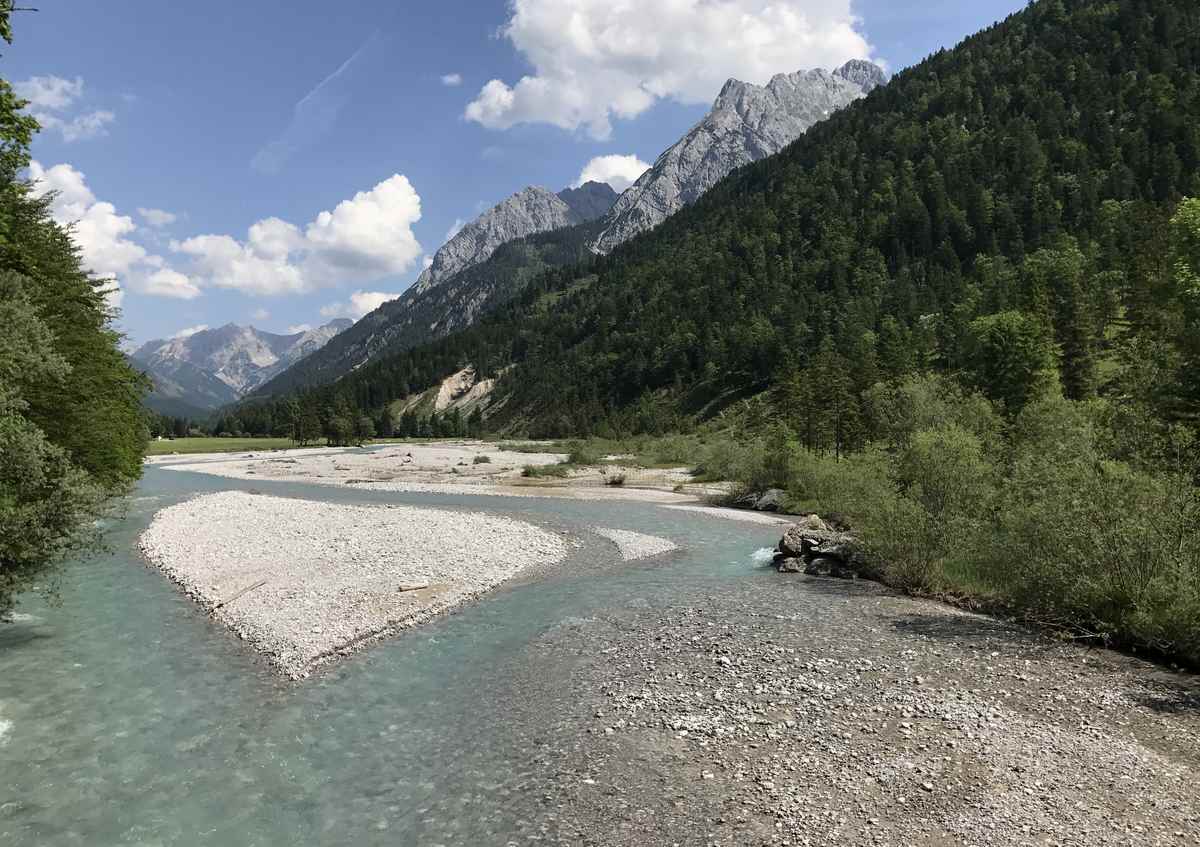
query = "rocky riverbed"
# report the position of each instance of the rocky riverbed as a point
(803, 711)
(303, 581)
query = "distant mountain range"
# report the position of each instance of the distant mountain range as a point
(197, 373)
(471, 274)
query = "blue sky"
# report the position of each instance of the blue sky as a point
(233, 126)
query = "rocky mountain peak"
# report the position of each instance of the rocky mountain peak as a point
(748, 122)
(531, 210)
(867, 75)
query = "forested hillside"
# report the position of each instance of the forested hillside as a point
(1013, 191)
(71, 427)
(419, 317)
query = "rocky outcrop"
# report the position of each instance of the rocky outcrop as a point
(747, 123)
(813, 547)
(528, 212)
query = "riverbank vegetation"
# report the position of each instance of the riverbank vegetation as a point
(71, 426)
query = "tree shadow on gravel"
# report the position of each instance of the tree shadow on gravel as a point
(1172, 696)
(972, 631)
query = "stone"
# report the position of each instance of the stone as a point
(747, 123)
(791, 565)
(770, 501)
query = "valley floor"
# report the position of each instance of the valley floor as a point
(772, 709)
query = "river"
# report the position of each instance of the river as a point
(128, 717)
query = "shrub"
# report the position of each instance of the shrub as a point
(482, 460)
(537, 471)
(615, 480)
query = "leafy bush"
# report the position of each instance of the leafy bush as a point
(538, 471)
(482, 460)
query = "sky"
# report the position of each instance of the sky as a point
(284, 162)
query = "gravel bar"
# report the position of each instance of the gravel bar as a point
(635, 545)
(304, 582)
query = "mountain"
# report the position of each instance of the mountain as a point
(214, 367)
(1014, 191)
(455, 303)
(747, 123)
(528, 212)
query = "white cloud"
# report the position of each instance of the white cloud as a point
(427, 261)
(188, 332)
(260, 314)
(618, 171)
(157, 217)
(317, 113)
(50, 96)
(595, 60)
(296, 329)
(363, 239)
(451, 80)
(50, 92)
(104, 236)
(455, 228)
(361, 303)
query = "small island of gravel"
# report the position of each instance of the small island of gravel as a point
(305, 581)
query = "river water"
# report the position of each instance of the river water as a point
(128, 717)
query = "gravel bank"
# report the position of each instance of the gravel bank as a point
(799, 711)
(304, 581)
(634, 545)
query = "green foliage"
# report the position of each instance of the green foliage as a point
(482, 459)
(1008, 357)
(560, 470)
(1040, 518)
(72, 432)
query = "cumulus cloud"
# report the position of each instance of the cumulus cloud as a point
(50, 92)
(452, 80)
(296, 329)
(157, 217)
(50, 96)
(363, 239)
(618, 171)
(596, 60)
(317, 113)
(455, 229)
(104, 236)
(260, 314)
(188, 332)
(361, 303)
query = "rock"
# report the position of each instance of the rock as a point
(822, 566)
(791, 565)
(813, 522)
(770, 501)
(529, 211)
(747, 123)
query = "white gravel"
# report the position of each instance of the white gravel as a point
(634, 545)
(336, 576)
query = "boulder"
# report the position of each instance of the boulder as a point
(813, 522)
(770, 501)
(822, 566)
(800, 542)
(791, 566)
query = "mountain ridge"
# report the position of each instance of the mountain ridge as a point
(213, 367)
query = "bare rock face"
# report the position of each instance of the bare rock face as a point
(217, 366)
(747, 123)
(529, 211)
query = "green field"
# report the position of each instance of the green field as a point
(216, 445)
(185, 446)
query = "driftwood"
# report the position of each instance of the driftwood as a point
(406, 588)
(245, 590)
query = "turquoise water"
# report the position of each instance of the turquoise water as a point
(129, 718)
